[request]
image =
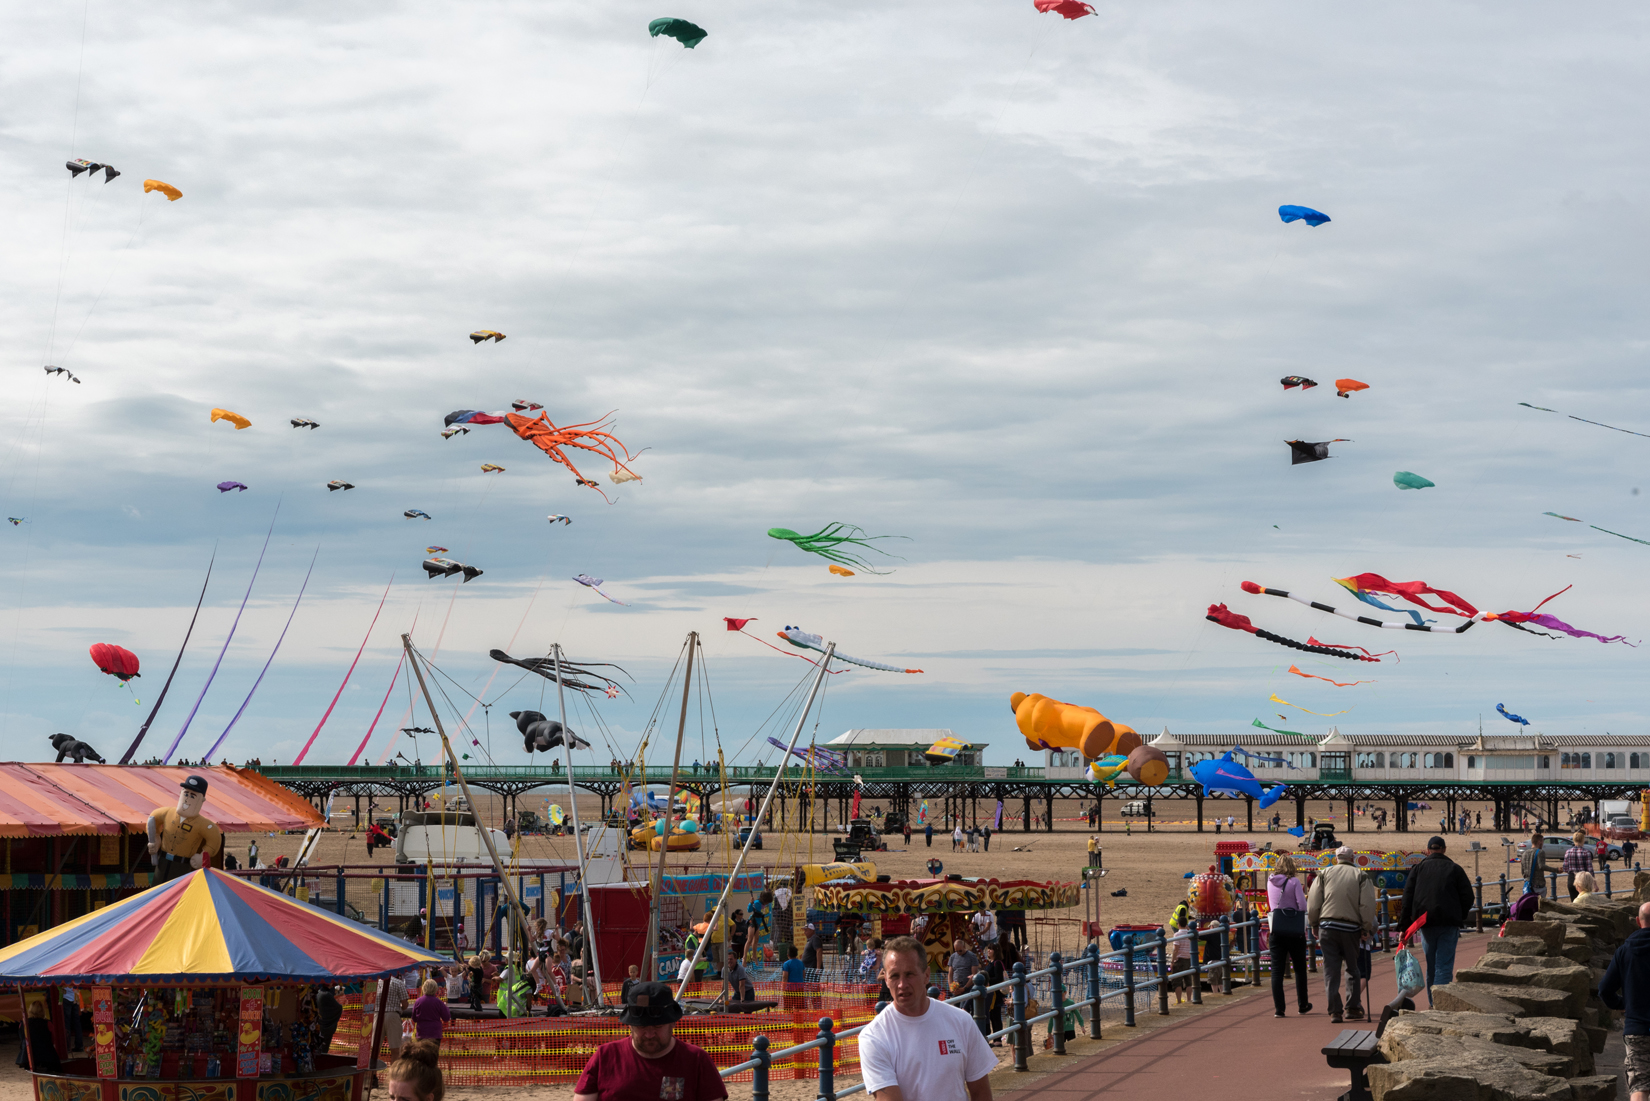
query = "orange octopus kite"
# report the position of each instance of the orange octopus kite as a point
(545, 435)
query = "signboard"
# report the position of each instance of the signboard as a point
(103, 1032)
(247, 1061)
(996, 772)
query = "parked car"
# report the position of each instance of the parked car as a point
(1555, 847)
(893, 823)
(1138, 808)
(745, 832)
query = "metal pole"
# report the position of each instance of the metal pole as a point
(1478, 892)
(1057, 995)
(1226, 954)
(759, 1073)
(762, 811)
(1022, 1037)
(656, 877)
(516, 908)
(1094, 991)
(1128, 984)
(578, 835)
(827, 1061)
(1162, 972)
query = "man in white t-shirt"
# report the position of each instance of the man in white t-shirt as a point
(985, 926)
(919, 1049)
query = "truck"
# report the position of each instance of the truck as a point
(445, 837)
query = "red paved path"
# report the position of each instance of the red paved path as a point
(1238, 1052)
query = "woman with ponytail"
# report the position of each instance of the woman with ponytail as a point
(416, 1076)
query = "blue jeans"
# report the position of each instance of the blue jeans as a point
(1439, 946)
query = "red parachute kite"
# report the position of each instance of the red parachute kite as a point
(1071, 9)
(117, 661)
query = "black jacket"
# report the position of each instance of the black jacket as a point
(1626, 984)
(1437, 887)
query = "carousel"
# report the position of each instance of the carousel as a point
(205, 989)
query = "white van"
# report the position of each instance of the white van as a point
(445, 837)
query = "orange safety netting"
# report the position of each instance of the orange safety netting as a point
(523, 1051)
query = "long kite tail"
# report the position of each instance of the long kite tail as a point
(1251, 587)
(298, 760)
(360, 749)
(173, 748)
(798, 637)
(132, 749)
(248, 701)
(787, 653)
(1221, 614)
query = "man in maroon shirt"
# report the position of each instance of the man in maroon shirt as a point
(653, 1065)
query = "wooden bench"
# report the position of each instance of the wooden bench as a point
(1354, 1049)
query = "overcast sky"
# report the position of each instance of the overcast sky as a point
(1010, 286)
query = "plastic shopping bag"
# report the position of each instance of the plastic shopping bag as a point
(1411, 978)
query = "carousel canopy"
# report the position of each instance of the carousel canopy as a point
(208, 927)
(940, 896)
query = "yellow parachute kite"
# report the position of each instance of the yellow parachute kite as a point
(491, 468)
(840, 571)
(172, 194)
(486, 334)
(235, 419)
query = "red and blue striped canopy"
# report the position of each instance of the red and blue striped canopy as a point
(208, 927)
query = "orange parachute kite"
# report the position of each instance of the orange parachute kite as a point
(235, 419)
(1345, 387)
(172, 194)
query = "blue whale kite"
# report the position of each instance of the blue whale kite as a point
(1226, 775)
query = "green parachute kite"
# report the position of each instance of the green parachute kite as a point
(688, 34)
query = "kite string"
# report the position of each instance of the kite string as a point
(132, 749)
(298, 760)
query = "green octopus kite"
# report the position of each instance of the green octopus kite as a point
(829, 541)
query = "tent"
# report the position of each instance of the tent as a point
(208, 927)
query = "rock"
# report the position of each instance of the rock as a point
(1540, 991)
(1470, 997)
(1597, 1037)
(1542, 971)
(1493, 1027)
(1548, 932)
(1420, 1045)
(1600, 1087)
(1467, 1075)
(1519, 946)
(1561, 1035)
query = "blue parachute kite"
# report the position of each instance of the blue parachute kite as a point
(1302, 214)
(1519, 719)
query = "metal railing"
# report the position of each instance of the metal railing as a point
(1238, 943)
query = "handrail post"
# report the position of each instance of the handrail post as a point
(1226, 954)
(759, 1073)
(1094, 991)
(1197, 963)
(1478, 891)
(982, 1002)
(827, 1061)
(1057, 995)
(1022, 1036)
(1253, 922)
(1128, 983)
(1503, 913)
(1552, 886)
(1607, 879)
(1162, 972)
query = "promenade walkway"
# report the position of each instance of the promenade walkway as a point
(1236, 1052)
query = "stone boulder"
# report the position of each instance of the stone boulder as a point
(1467, 1075)
(1548, 932)
(1540, 971)
(1523, 946)
(1557, 1035)
(1487, 996)
(1419, 1046)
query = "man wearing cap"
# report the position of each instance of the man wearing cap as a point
(652, 1065)
(180, 840)
(920, 1049)
(1341, 906)
(1437, 889)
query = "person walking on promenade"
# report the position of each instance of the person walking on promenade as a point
(1341, 906)
(1626, 986)
(1534, 865)
(920, 1049)
(1437, 889)
(1577, 858)
(1287, 903)
(928, 834)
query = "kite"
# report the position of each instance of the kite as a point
(1345, 387)
(1573, 519)
(828, 542)
(81, 164)
(542, 735)
(416, 514)
(339, 483)
(1405, 480)
(1584, 420)
(1144, 764)
(822, 760)
(1619, 535)
(117, 661)
(1275, 730)
(435, 550)
(491, 468)
(1221, 614)
(1519, 719)
(1338, 684)
(1251, 587)
(557, 517)
(620, 477)
(1302, 214)
(840, 571)
(1298, 707)
(574, 674)
(737, 624)
(305, 422)
(449, 433)
(1411, 591)
(596, 583)
(225, 487)
(1552, 623)
(172, 194)
(1300, 451)
(485, 334)
(612, 692)
(522, 405)
(1227, 776)
(67, 745)
(1310, 641)
(944, 751)
(50, 370)
(235, 419)
(15, 520)
(545, 435)
(1071, 9)
(688, 34)
(1292, 381)
(802, 640)
(446, 567)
